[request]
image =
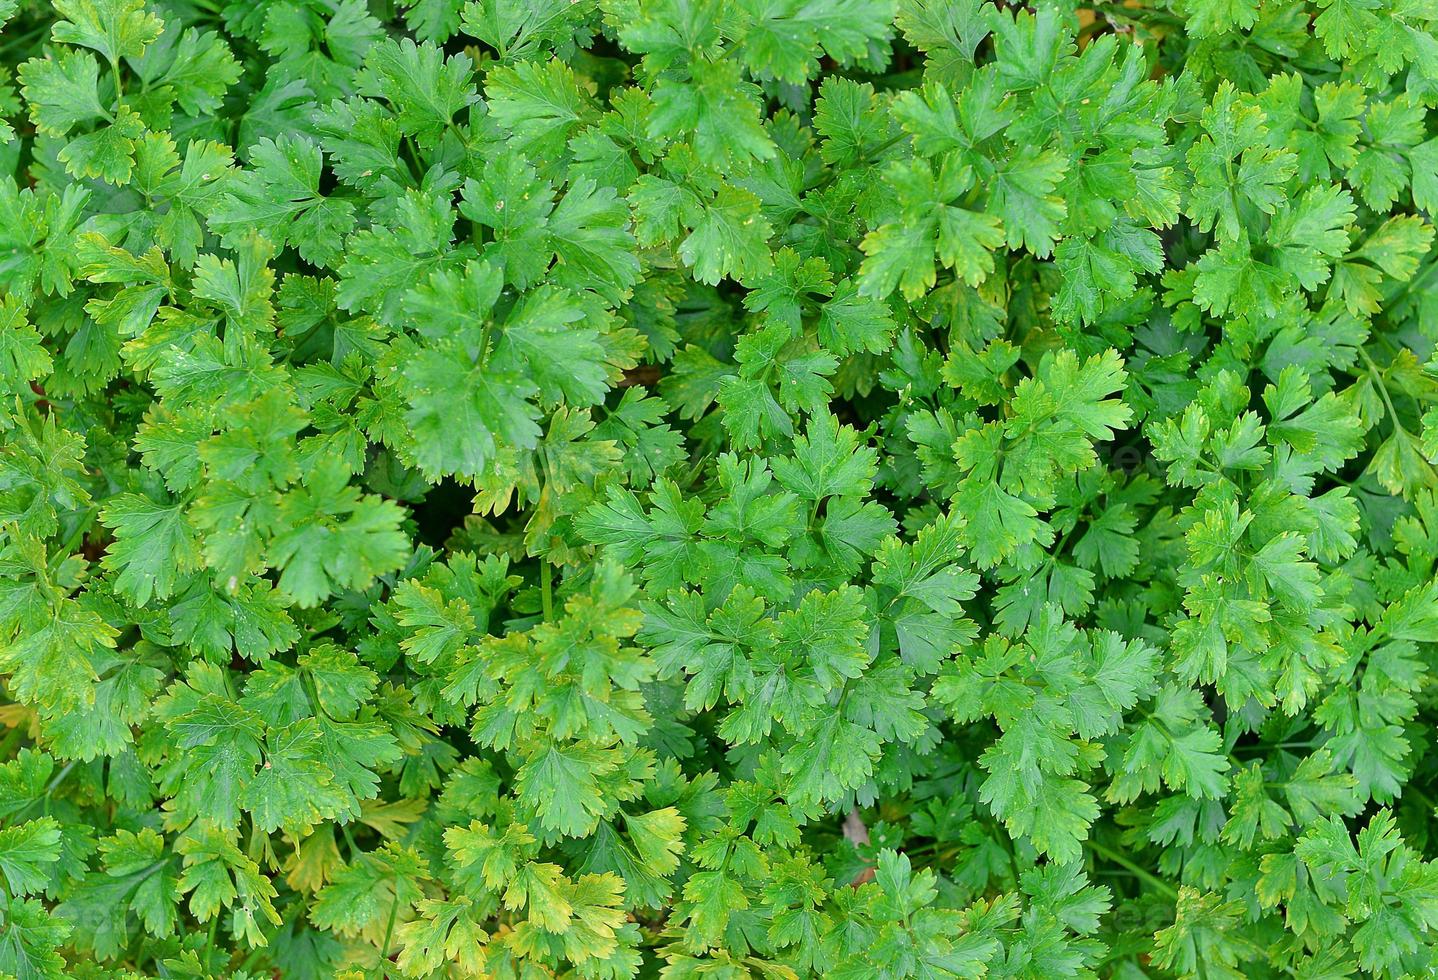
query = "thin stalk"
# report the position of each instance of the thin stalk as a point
(349, 840)
(210, 941)
(388, 933)
(1377, 375)
(82, 528)
(1158, 884)
(55, 784)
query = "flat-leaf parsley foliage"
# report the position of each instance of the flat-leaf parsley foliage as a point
(770, 489)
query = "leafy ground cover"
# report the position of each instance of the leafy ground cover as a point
(771, 489)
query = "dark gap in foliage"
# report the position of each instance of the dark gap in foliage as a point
(442, 511)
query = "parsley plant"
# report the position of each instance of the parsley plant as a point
(718, 489)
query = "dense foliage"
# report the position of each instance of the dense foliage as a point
(854, 489)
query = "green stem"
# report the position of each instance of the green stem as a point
(1266, 747)
(1422, 797)
(81, 529)
(75, 537)
(1158, 884)
(119, 87)
(349, 839)
(1411, 285)
(59, 777)
(1112, 11)
(55, 784)
(210, 941)
(410, 153)
(546, 589)
(388, 932)
(1377, 377)
(484, 334)
(869, 157)
(249, 961)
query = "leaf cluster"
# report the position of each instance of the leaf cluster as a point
(724, 489)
